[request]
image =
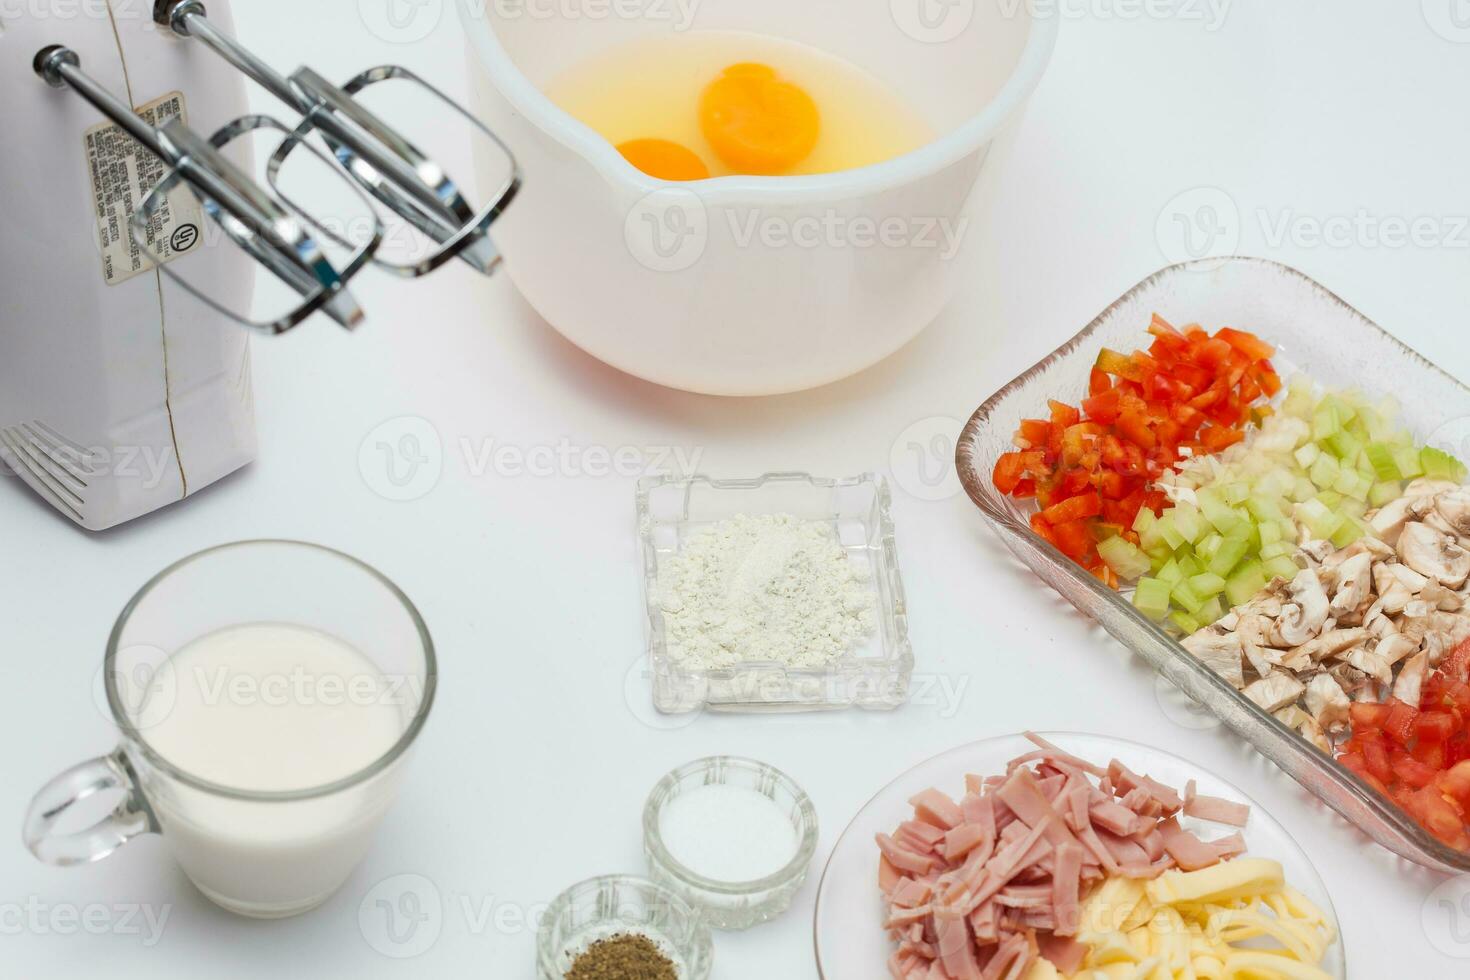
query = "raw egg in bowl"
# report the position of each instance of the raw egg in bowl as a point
(746, 197)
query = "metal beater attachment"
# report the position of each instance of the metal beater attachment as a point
(376, 155)
(274, 233)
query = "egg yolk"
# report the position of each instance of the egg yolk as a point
(664, 159)
(756, 121)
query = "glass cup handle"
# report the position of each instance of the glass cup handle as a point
(128, 819)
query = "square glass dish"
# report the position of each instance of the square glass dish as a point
(1314, 331)
(874, 674)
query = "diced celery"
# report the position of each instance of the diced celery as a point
(1330, 499)
(1217, 511)
(1440, 465)
(1248, 580)
(1307, 455)
(1277, 549)
(1160, 554)
(1380, 457)
(1213, 611)
(1187, 624)
(1209, 546)
(1410, 462)
(1151, 597)
(1232, 550)
(1185, 596)
(1190, 564)
(1300, 398)
(1347, 532)
(1189, 523)
(1319, 518)
(1236, 493)
(1353, 507)
(1170, 574)
(1265, 508)
(1325, 422)
(1165, 529)
(1281, 566)
(1146, 519)
(1325, 471)
(1385, 493)
(1305, 489)
(1123, 557)
(1345, 445)
(1207, 585)
(1277, 483)
(1270, 532)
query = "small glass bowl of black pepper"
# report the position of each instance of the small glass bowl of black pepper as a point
(593, 929)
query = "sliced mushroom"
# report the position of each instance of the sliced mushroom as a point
(1427, 486)
(1369, 662)
(1252, 630)
(1221, 652)
(1395, 647)
(1331, 643)
(1434, 554)
(1388, 522)
(1327, 702)
(1411, 679)
(1316, 552)
(1305, 615)
(1275, 691)
(1436, 596)
(1454, 508)
(1354, 584)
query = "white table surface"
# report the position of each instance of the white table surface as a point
(533, 770)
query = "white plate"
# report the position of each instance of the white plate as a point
(850, 939)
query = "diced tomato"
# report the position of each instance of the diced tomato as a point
(1074, 539)
(1248, 344)
(1366, 715)
(1218, 437)
(1375, 756)
(1431, 754)
(1412, 772)
(1074, 509)
(1435, 726)
(1212, 353)
(1455, 783)
(1134, 427)
(1008, 472)
(1064, 415)
(1036, 432)
(1104, 406)
(1098, 382)
(1456, 666)
(1399, 725)
(1119, 365)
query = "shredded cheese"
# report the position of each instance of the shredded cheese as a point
(1235, 921)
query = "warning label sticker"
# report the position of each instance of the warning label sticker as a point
(122, 173)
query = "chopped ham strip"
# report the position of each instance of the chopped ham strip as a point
(1214, 809)
(987, 887)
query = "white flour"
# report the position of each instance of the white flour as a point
(772, 588)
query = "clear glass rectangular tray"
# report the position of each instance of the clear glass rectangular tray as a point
(1315, 332)
(873, 675)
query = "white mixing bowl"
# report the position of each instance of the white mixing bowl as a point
(666, 280)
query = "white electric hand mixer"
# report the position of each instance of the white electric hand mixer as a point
(123, 385)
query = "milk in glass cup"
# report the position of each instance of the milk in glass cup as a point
(266, 694)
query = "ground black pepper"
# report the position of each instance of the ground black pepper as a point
(623, 957)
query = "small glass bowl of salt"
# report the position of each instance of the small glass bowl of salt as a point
(734, 837)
